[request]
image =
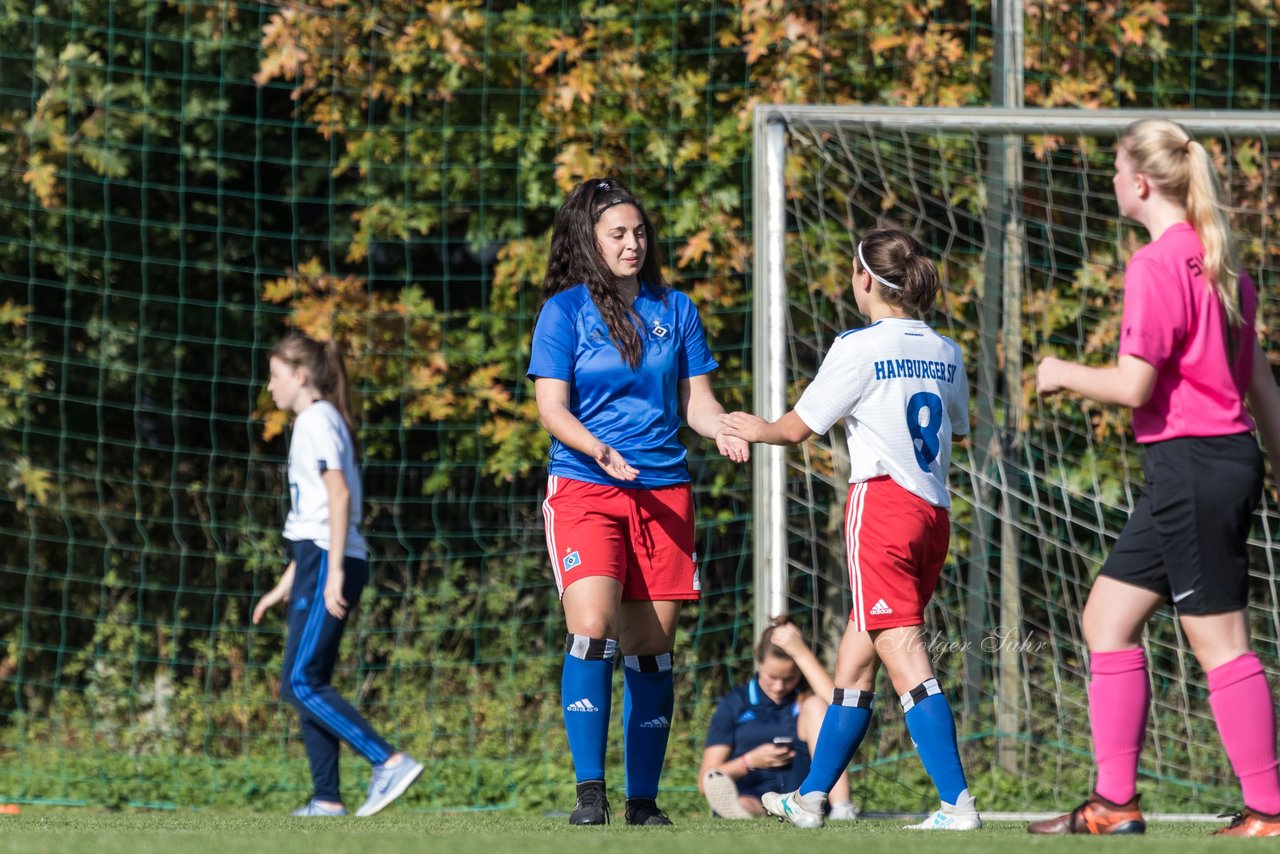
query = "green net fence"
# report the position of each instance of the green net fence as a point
(1059, 475)
(181, 182)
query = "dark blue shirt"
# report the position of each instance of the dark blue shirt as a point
(636, 412)
(745, 719)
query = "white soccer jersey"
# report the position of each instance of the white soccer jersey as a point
(901, 389)
(321, 442)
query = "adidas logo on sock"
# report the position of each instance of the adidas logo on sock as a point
(583, 705)
(881, 607)
(659, 722)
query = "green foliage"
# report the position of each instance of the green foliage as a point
(184, 181)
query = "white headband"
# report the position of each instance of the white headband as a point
(872, 273)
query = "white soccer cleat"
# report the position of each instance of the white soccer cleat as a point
(847, 811)
(962, 815)
(722, 795)
(791, 807)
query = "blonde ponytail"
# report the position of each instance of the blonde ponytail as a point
(1209, 219)
(1181, 169)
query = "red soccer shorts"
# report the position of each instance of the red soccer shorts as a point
(896, 543)
(641, 537)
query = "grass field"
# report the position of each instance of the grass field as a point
(85, 832)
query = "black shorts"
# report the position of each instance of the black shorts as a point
(1186, 538)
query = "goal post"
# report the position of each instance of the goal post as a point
(1031, 252)
(769, 366)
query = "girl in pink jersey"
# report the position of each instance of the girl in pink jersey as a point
(900, 390)
(1188, 360)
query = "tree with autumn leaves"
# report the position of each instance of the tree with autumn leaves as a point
(665, 101)
(185, 180)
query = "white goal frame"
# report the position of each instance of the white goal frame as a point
(769, 307)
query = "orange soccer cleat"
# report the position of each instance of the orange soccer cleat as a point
(1250, 823)
(1097, 816)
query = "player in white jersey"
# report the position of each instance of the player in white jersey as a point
(901, 390)
(321, 443)
(326, 574)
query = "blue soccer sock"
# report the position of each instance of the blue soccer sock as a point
(843, 727)
(648, 703)
(586, 691)
(933, 729)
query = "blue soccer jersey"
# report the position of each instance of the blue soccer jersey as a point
(636, 412)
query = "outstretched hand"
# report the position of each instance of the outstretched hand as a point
(613, 463)
(733, 447)
(1049, 375)
(743, 425)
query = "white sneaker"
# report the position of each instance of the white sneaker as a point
(314, 808)
(722, 795)
(962, 815)
(791, 807)
(846, 811)
(389, 783)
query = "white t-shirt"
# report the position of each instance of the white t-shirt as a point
(902, 392)
(321, 443)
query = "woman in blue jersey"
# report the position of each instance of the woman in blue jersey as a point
(900, 390)
(619, 362)
(326, 574)
(763, 733)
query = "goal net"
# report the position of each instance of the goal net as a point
(1018, 209)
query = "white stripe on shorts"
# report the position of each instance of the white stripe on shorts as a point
(852, 528)
(548, 521)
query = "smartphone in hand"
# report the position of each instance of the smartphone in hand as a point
(787, 742)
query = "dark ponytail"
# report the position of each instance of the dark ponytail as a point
(326, 371)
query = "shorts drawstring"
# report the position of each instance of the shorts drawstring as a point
(646, 537)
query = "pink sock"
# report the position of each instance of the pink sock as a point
(1119, 695)
(1246, 716)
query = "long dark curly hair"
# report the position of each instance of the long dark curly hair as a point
(575, 260)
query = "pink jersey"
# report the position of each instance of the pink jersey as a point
(1174, 322)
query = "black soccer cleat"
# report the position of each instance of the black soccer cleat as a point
(644, 812)
(592, 806)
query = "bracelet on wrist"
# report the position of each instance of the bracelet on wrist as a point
(745, 767)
